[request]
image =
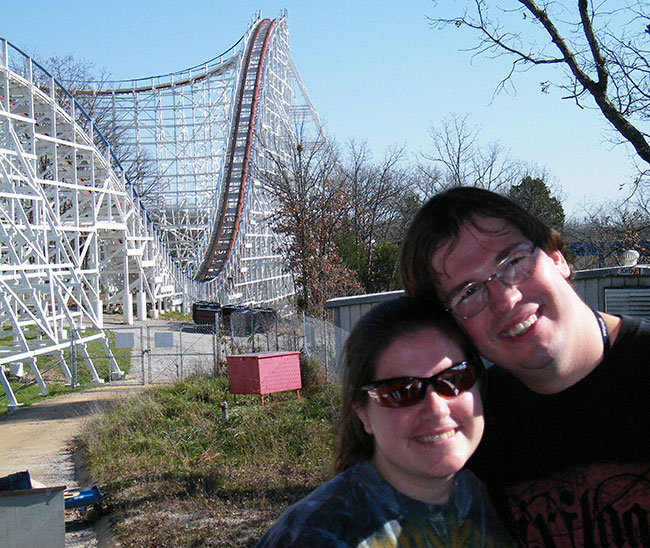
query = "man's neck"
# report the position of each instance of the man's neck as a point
(587, 354)
(613, 324)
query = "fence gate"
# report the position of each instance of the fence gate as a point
(177, 351)
(163, 352)
(129, 346)
(200, 350)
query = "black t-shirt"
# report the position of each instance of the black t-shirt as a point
(573, 468)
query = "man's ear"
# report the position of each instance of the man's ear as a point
(561, 263)
(361, 412)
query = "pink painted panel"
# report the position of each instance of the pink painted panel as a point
(264, 372)
(243, 375)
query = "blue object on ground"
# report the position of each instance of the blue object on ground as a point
(80, 498)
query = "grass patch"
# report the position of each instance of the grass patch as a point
(176, 316)
(29, 393)
(175, 473)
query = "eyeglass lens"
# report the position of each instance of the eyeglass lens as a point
(514, 269)
(407, 391)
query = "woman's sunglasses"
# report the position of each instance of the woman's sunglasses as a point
(406, 391)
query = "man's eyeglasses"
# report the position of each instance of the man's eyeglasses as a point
(516, 268)
(407, 391)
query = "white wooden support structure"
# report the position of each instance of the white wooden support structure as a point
(76, 237)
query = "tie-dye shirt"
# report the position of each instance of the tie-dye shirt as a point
(359, 509)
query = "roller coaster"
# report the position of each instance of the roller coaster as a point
(166, 202)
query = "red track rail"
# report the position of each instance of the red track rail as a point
(213, 260)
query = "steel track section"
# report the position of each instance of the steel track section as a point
(224, 233)
(201, 209)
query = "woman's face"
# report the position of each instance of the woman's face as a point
(419, 448)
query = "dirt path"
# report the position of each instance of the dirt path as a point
(39, 439)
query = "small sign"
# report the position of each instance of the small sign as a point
(163, 340)
(124, 340)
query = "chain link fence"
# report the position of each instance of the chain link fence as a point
(162, 351)
(165, 351)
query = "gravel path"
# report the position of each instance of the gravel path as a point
(39, 438)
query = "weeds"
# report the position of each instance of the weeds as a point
(177, 474)
(176, 316)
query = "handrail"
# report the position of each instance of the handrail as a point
(96, 134)
(209, 67)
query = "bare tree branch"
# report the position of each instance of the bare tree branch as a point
(465, 161)
(608, 61)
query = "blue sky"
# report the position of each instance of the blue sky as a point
(374, 72)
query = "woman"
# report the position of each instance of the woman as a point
(411, 418)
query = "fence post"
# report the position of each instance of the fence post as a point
(215, 345)
(325, 330)
(179, 374)
(142, 353)
(219, 358)
(252, 332)
(149, 352)
(73, 364)
(304, 334)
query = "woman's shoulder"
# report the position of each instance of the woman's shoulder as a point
(349, 505)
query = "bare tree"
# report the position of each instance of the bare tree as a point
(82, 81)
(459, 158)
(602, 46)
(428, 180)
(454, 143)
(379, 198)
(375, 190)
(313, 203)
(78, 76)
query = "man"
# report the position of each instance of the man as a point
(566, 453)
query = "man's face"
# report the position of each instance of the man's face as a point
(523, 327)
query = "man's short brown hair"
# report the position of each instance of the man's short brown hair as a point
(439, 222)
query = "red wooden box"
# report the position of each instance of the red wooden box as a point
(264, 373)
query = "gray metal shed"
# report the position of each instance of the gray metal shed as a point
(617, 290)
(347, 310)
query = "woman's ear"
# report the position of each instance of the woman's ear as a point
(360, 410)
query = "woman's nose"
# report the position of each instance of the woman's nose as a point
(435, 403)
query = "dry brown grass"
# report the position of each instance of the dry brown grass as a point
(175, 474)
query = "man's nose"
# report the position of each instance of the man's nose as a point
(501, 296)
